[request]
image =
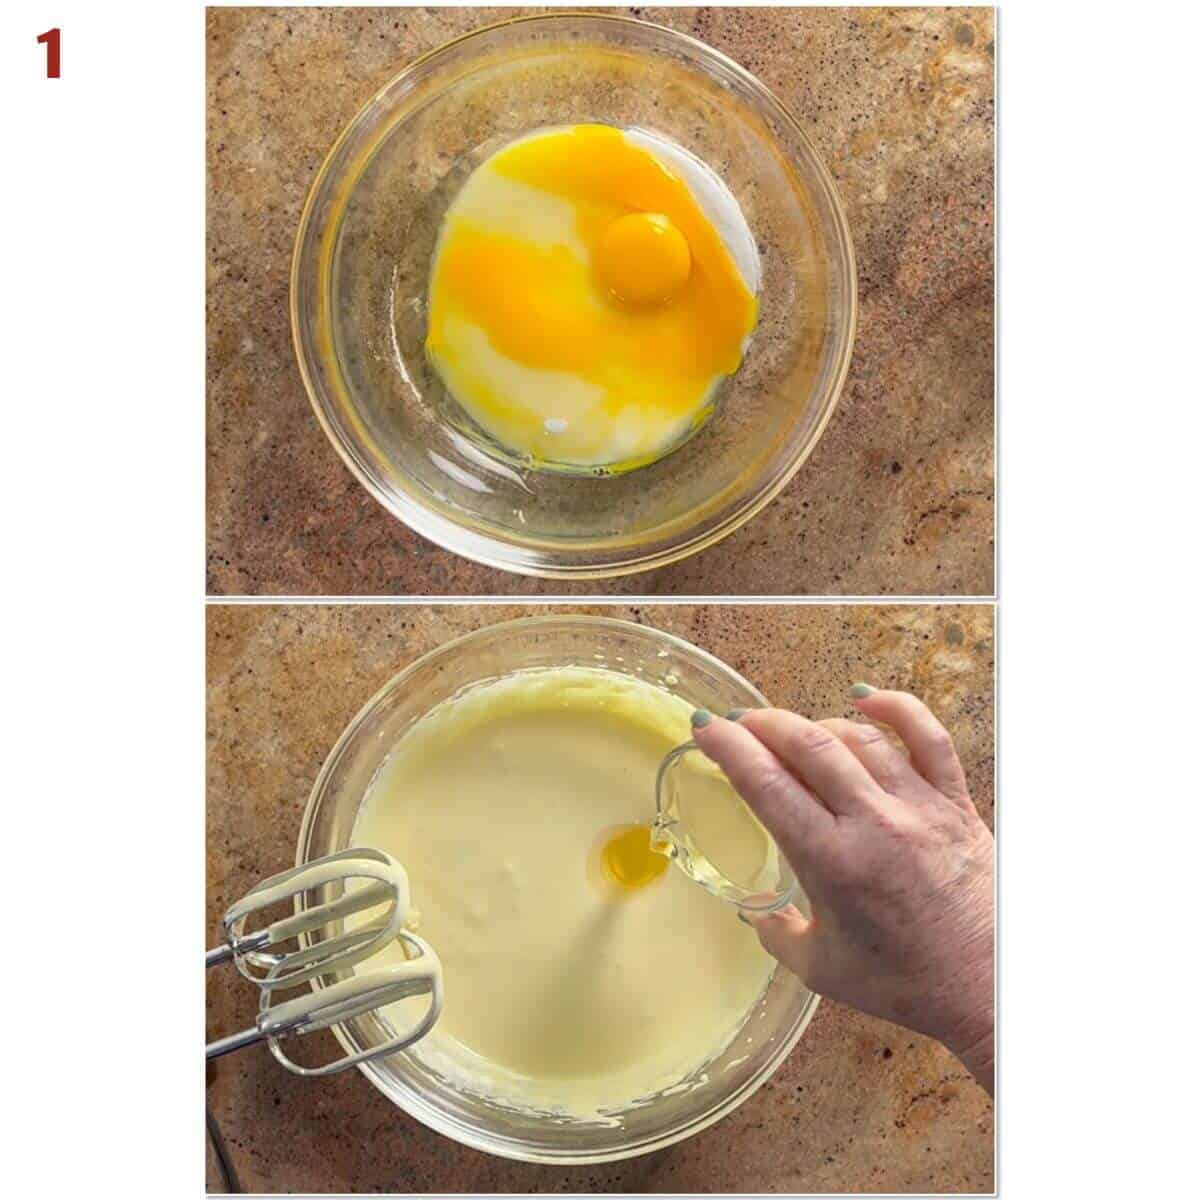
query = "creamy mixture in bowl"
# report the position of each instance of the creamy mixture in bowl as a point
(581, 975)
(512, 770)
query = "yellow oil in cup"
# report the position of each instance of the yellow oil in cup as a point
(711, 834)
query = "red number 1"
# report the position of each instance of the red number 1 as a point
(52, 40)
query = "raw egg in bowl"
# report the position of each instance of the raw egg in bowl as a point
(573, 296)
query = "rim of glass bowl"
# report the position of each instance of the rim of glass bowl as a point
(567, 560)
(407, 1097)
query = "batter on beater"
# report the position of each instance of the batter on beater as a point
(580, 974)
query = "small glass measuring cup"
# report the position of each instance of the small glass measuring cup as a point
(710, 833)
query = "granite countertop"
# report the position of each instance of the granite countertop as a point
(897, 498)
(860, 1105)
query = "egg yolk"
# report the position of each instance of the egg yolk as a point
(643, 258)
(630, 859)
(583, 307)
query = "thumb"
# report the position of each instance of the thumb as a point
(785, 935)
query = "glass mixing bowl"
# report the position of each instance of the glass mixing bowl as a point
(360, 277)
(769, 1032)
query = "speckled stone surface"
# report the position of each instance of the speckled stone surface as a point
(898, 497)
(860, 1105)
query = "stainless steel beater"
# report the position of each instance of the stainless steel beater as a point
(380, 882)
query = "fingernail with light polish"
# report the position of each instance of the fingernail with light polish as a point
(860, 691)
(736, 714)
(700, 718)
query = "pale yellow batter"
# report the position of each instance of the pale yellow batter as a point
(564, 989)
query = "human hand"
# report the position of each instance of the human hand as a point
(892, 854)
